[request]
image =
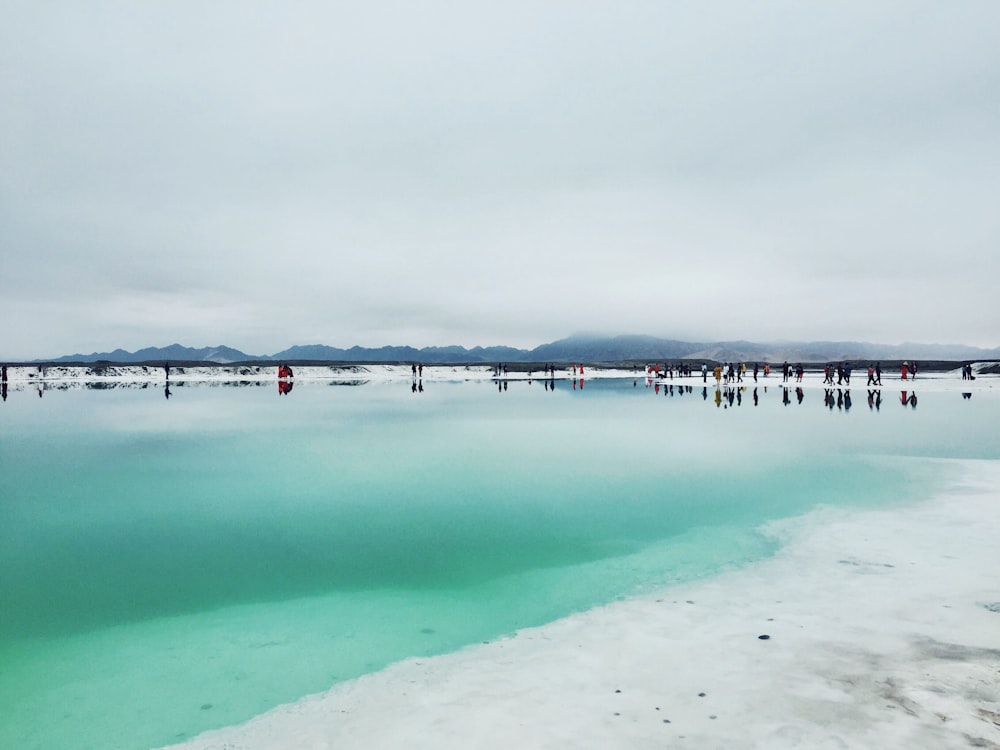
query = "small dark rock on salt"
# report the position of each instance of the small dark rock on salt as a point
(763, 637)
(701, 695)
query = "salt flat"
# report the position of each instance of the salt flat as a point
(65, 376)
(883, 630)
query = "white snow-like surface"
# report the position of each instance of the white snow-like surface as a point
(883, 632)
(72, 376)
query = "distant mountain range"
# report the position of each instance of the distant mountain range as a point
(580, 348)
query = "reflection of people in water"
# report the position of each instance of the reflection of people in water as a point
(284, 387)
(166, 391)
(875, 399)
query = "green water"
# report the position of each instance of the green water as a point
(172, 566)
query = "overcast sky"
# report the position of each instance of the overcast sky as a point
(263, 174)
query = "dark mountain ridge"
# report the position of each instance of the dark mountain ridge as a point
(578, 348)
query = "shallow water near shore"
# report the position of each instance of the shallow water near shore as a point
(170, 566)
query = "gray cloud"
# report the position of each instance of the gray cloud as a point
(469, 173)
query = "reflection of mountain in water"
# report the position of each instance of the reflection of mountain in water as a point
(106, 376)
(109, 385)
(113, 385)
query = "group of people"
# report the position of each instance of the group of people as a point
(843, 372)
(682, 370)
(549, 371)
(730, 372)
(787, 370)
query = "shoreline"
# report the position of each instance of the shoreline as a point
(883, 631)
(61, 377)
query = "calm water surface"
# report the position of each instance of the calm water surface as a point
(169, 566)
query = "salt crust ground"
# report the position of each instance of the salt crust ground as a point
(884, 633)
(62, 377)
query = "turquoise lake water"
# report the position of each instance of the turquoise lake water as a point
(170, 566)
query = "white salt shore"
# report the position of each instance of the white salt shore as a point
(884, 632)
(58, 377)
